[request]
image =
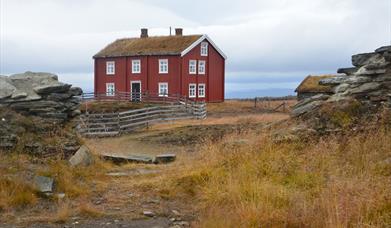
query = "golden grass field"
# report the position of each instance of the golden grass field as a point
(246, 179)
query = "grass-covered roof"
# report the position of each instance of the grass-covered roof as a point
(311, 84)
(157, 45)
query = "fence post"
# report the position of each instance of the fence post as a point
(255, 102)
(119, 122)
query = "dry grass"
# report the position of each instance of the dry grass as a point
(330, 183)
(236, 107)
(87, 210)
(15, 193)
(64, 211)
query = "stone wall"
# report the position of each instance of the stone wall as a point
(39, 94)
(367, 84)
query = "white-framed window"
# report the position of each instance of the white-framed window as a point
(110, 89)
(204, 49)
(192, 66)
(136, 66)
(110, 67)
(163, 66)
(163, 89)
(201, 67)
(192, 90)
(201, 90)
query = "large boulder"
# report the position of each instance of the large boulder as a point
(40, 94)
(6, 88)
(359, 95)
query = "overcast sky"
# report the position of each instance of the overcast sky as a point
(271, 44)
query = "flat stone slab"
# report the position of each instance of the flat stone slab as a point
(158, 159)
(164, 158)
(129, 158)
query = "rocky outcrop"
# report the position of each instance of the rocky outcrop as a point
(361, 91)
(39, 94)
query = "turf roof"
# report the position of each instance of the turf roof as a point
(311, 85)
(157, 45)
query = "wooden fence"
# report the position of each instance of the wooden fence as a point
(272, 104)
(111, 124)
(146, 97)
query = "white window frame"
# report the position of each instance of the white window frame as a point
(204, 48)
(163, 62)
(159, 91)
(110, 70)
(199, 67)
(194, 94)
(192, 66)
(203, 88)
(135, 63)
(110, 93)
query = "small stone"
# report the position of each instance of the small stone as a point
(82, 157)
(60, 195)
(148, 213)
(175, 212)
(164, 158)
(44, 184)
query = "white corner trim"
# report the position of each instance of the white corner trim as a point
(202, 38)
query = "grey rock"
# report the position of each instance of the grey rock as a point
(332, 81)
(340, 88)
(363, 59)
(148, 213)
(164, 158)
(58, 96)
(382, 78)
(311, 99)
(347, 71)
(383, 49)
(6, 88)
(52, 88)
(364, 88)
(129, 158)
(365, 71)
(357, 80)
(298, 111)
(75, 91)
(19, 94)
(44, 184)
(82, 157)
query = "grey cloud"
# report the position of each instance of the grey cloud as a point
(264, 37)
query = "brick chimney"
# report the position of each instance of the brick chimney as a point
(178, 31)
(144, 33)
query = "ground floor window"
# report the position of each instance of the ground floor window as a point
(110, 89)
(201, 90)
(163, 89)
(192, 90)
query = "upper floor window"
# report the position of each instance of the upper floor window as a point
(192, 66)
(163, 89)
(163, 66)
(204, 49)
(110, 89)
(192, 90)
(201, 67)
(201, 90)
(136, 66)
(110, 67)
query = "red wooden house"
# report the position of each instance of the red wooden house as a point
(192, 66)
